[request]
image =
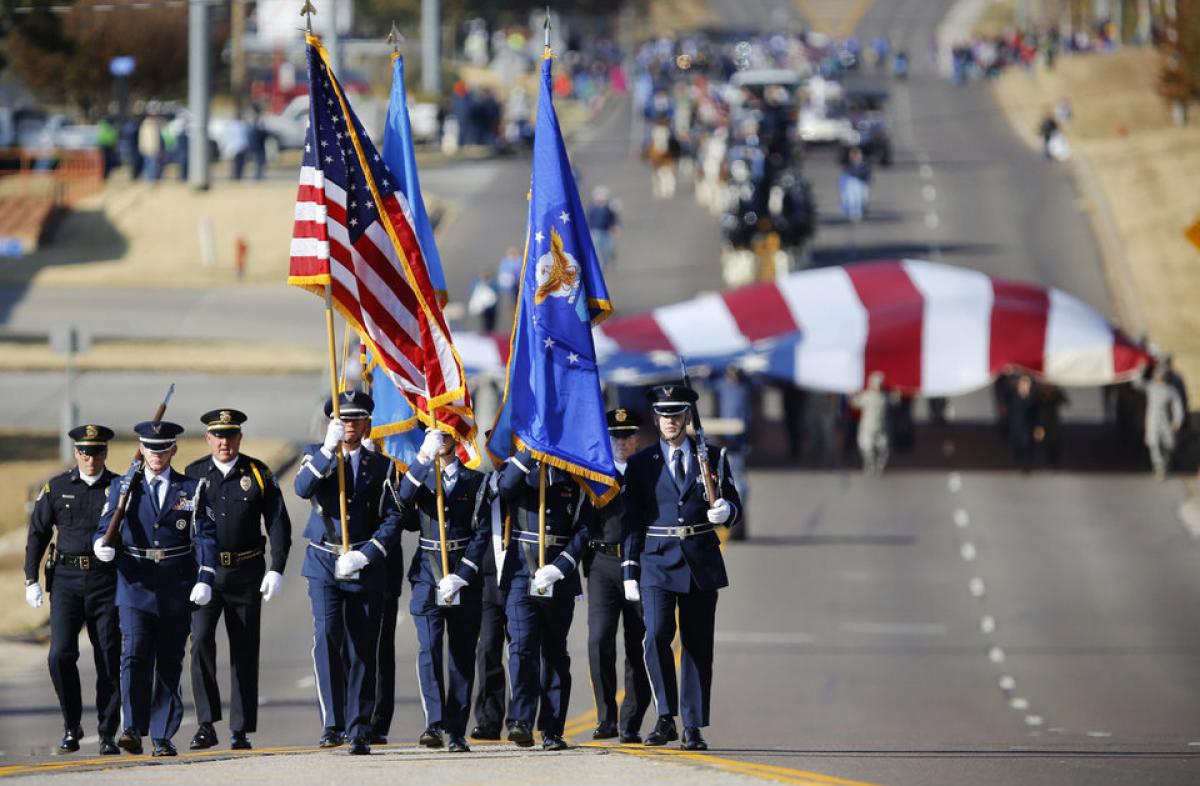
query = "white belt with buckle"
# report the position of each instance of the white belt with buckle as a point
(158, 555)
(681, 531)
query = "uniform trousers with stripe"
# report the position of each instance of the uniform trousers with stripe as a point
(697, 620)
(346, 627)
(489, 657)
(607, 608)
(152, 649)
(539, 664)
(454, 630)
(236, 596)
(88, 598)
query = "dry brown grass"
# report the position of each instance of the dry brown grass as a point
(1146, 169)
(215, 357)
(27, 460)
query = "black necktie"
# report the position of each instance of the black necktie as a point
(154, 484)
(677, 468)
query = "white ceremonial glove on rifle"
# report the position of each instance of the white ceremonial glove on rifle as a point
(201, 594)
(335, 432)
(349, 563)
(545, 576)
(632, 593)
(720, 512)
(435, 439)
(449, 586)
(271, 584)
(33, 595)
(104, 553)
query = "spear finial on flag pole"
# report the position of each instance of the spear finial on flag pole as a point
(546, 31)
(396, 39)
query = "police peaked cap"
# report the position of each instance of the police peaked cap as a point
(352, 405)
(158, 436)
(91, 438)
(672, 399)
(623, 423)
(223, 421)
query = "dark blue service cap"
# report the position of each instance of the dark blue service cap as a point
(158, 436)
(623, 422)
(91, 438)
(223, 420)
(672, 399)
(352, 405)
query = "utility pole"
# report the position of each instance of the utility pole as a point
(332, 41)
(431, 56)
(237, 53)
(199, 90)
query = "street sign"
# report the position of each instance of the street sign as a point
(121, 66)
(1192, 233)
(68, 339)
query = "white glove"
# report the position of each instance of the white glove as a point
(450, 584)
(349, 563)
(545, 576)
(368, 443)
(271, 584)
(104, 553)
(432, 446)
(201, 594)
(720, 512)
(632, 593)
(334, 435)
(33, 595)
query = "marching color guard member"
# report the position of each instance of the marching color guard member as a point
(446, 604)
(244, 497)
(85, 589)
(347, 590)
(673, 543)
(167, 552)
(489, 656)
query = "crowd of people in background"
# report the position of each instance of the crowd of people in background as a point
(986, 57)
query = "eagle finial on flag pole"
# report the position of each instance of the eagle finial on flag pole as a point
(307, 12)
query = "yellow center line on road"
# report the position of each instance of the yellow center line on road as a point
(110, 762)
(764, 771)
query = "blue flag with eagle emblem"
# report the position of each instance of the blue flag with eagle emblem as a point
(553, 405)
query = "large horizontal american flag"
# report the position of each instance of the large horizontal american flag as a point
(354, 232)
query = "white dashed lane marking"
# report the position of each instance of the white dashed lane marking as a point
(968, 552)
(932, 220)
(929, 192)
(961, 518)
(926, 171)
(977, 587)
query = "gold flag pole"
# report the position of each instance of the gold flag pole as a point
(441, 507)
(541, 514)
(337, 414)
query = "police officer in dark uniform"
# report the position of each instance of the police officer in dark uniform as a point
(385, 655)
(489, 654)
(607, 605)
(446, 692)
(84, 590)
(672, 542)
(347, 590)
(244, 497)
(540, 601)
(166, 559)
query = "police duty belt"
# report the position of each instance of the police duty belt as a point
(158, 555)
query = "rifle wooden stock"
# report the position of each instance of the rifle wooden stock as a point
(711, 491)
(114, 526)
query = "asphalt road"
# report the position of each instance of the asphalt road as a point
(928, 627)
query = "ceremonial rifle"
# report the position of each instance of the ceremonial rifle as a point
(710, 488)
(114, 526)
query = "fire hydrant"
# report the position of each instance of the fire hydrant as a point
(239, 257)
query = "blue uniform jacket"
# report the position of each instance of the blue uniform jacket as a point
(468, 517)
(653, 499)
(569, 514)
(162, 587)
(372, 510)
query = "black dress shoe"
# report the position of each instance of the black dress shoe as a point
(164, 748)
(378, 739)
(108, 746)
(238, 741)
(432, 737)
(693, 740)
(519, 733)
(130, 742)
(359, 747)
(553, 742)
(486, 732)
(70, 740)
(332, 738)
(664, 732)
(458, 744)
(631, 738)
(605, 731)
(205, 737)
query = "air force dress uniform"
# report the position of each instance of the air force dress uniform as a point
(244, 497)
(446, 692)
(671, 536)
(538, 660)
(347, 612)
(167, 547)
(84, 590)
(608, 607)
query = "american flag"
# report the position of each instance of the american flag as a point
(354, 231)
